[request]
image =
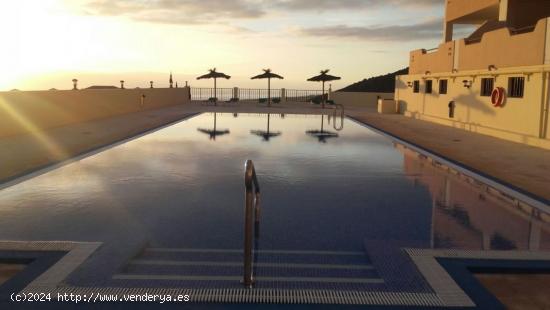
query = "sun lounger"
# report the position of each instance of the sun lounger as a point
(211, 101)
(231, 101)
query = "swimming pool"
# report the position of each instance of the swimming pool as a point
(338, 207)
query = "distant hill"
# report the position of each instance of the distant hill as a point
(378, 84)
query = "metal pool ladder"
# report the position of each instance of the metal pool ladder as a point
(251, 220)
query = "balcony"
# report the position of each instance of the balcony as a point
(472, 11)
(503, 47)
(435, 60)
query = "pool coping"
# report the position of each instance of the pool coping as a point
(500, 186)
(77, 253)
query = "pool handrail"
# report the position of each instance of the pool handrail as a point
(252, 211)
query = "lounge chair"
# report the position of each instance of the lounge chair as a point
(211, 100)
(316, 101)
(232, 101)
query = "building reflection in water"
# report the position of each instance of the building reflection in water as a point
(466, 215)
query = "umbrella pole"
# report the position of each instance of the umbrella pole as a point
(269, 92)
(215, 96)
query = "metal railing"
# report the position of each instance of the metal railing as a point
(297, 95)
(251, 220)
(252, 94)
(203, 94)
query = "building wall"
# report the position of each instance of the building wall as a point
(359, 99)
(521, 120)
(29, 111)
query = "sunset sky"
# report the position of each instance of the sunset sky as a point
(46, 43)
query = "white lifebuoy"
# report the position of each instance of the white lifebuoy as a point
(497, 97)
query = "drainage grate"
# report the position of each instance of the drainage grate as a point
(265, 296)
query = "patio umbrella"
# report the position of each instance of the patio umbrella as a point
(268, 75)
(322, 134)
(324, 77)
(213, 133)
(213, 74)
(266, 134)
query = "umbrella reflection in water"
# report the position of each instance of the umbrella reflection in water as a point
(322, 134)
(213, 133)
(266, 134)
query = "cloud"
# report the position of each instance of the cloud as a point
(186, 12)
(226, 12)
(427, 30)
(323, 5)
(216, 11)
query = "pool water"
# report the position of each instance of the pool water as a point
(346, 192)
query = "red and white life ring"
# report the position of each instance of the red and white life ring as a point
(497, 96)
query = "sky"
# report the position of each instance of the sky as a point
(47, 43)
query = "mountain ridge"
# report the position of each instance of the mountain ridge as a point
(378, 84)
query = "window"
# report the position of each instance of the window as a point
(515, 87)
(487, 86)
(416, 86)
(443, 87)
(429, 84)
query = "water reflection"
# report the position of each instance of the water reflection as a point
(467, 216)
(266, 134)
(173, 189)
(214, 132)
(322, 135)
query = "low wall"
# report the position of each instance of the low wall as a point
(359, 99)
(30, 111)
(523, 120)
(387, 106)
